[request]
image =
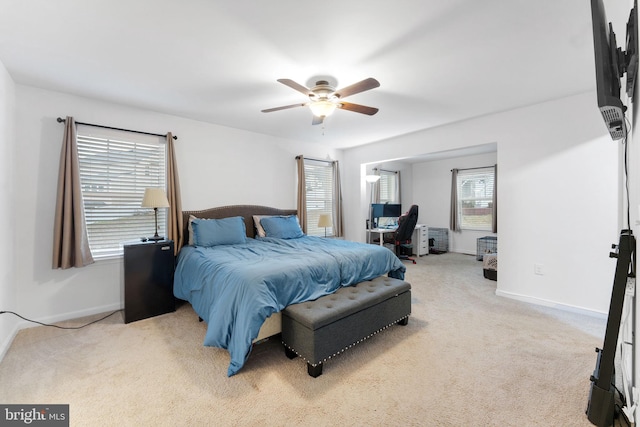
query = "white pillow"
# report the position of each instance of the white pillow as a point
(190, 228)
(256, 222)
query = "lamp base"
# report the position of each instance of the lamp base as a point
(156, 238)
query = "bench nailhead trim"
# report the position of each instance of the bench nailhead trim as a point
(346, 348)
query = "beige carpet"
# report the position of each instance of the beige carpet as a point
(467, 358)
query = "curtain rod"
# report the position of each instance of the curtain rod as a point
(316, 160)
(384, 170)
(479, 167)
(61, 120)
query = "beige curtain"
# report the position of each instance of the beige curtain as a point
(70, 240)
(494, 224)
(338, 215)
(302, 194)
(175, 225)
(398, 188)
(375, 188)
(453, 219)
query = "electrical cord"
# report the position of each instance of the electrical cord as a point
(627, 195)
(626, 179)
(56, 326)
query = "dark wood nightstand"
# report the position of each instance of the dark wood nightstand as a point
(148, 279)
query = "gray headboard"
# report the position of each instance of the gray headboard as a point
(245, 211)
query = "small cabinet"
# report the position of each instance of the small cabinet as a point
(148, 280)
(420, 240)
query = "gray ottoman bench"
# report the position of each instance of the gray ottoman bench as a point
(318, 330)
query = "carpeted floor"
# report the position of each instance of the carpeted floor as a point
(466, 358)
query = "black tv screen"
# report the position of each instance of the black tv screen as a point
(609, 69)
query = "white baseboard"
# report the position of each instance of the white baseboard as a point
(552, 304)
(72, 315)
(4, 347)
(23, 324)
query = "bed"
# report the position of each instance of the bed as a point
(235, 283)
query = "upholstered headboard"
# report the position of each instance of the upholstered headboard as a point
(245, 211)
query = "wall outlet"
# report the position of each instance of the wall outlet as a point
(538, 269)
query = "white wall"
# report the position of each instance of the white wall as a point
(557, 190)
(8, 143)
(432, 193)
(217, 166)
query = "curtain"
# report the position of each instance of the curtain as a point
(453, 219)
(70, 239)
(175, 225)
(302, 194)
(494, 212)
(338, 215)
(375, 188)
(397, 188)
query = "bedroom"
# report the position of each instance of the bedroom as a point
(543, 150)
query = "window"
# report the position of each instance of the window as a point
(475, 198)
(389, 187)
(115, 169)
(319, 181)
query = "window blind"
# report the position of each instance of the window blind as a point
(388, 187)
(475, 198)
(319, 182)
(114, 173)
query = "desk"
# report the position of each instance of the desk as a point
(419, 238)
(381, 232)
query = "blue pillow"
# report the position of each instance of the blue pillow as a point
(282, 227)
(213, 232)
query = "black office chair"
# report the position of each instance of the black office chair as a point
(406, 225)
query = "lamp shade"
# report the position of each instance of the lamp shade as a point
(322, 108)
(324, 220)
(154, 198)
(372, 178)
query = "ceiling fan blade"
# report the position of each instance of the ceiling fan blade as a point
(365, 84)
(358, 108)
(317, 120)
(296, 86)
(286, 107)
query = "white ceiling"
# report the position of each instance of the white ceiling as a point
(217, 61)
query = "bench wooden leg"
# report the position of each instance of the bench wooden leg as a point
(314, 371)
(404, 322)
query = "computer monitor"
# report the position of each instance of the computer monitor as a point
(389, 210)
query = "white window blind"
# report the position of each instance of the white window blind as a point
(319, 182)
(388, 187)
(114, 172)
(475, 198)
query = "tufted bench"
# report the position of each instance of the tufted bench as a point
(318, 330)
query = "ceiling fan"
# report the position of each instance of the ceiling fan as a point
(324, 99)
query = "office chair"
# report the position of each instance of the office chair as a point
(406, 225)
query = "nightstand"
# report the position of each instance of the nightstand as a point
(148, 279)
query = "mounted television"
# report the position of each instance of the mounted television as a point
(611, 64)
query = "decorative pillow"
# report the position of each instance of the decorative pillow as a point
(213, 232)
(282, 227)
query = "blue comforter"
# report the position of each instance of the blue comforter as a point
(234, 288)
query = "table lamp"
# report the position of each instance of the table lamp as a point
(325, 221)
(155, 198)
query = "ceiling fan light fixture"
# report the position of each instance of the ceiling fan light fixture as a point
(322, 108)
